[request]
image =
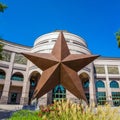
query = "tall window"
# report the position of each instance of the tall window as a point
(2, 74)
(17, 77)
(86, 84)
(101, 98)
(100, 84)
(13, 99)
(59, 93)
(88, 97)
(116, 98)
(114, 84)
(34, 77)
(84, 77)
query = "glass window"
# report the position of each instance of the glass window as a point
(114, 84)
(101, 98)
(113, 70)
(59, 93)
(86, 84)
(6, 55)
(100, 84)
(87, 96)
(20, 59)
(17, 77)
(116, 98)
(33, 81)
(2, 74)
(13, 98)
(100, 69)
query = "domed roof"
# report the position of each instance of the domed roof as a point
(54, 35)
(45, 43)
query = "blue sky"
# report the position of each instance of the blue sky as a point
(96, 21)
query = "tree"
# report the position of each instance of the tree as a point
(1, 49)
(2, 7)
(118, 38)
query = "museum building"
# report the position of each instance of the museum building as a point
(19, 77)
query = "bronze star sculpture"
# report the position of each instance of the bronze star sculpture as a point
(60, 67)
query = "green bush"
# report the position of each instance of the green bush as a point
(25, 115)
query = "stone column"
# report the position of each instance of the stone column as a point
(5, 93)
(92, 89)
(42, 100)
(108, 90)
(49, 97)
(72, 98)
(26, 85)
(119, 73)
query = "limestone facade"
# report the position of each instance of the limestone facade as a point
(18, 76)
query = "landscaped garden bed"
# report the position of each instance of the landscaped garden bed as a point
(66, 110)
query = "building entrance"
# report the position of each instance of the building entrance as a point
(84, 77)
(58, 93)
(35, 76)
(13, 98)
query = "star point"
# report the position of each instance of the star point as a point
(60, 49)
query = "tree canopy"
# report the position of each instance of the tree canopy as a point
(118, 38)
(2, 7)
(1, 49)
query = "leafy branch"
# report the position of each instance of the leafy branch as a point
(2, 7)
(117, 34)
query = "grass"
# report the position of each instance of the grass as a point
(25, 115)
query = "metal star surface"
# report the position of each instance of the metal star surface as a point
(60, 67)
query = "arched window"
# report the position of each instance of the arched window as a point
(17, 77)
(59, 93)
(34, 77)
(100, 84)
(114, 84)
(86, 84)
(84, 77)
(2, 74)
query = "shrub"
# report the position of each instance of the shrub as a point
(25, 115)
(66, 110)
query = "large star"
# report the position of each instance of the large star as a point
(60, 67)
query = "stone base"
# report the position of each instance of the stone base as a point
(49, 97)
(92, 102)
(71, 97)
(42, 101)
(4, 100)
(24, 101)
(110, 102)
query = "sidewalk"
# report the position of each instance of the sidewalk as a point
(4, 114)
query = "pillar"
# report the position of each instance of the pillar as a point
(108, 90)
(26, 85)
(92, 89)
(5, 93)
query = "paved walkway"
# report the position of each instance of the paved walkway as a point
(4, 114)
